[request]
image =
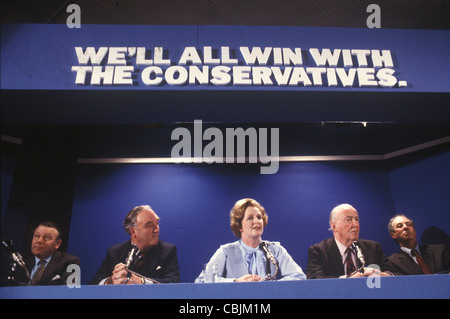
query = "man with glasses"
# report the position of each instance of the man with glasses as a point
(144, 258)
(413, 259)
(340, 256)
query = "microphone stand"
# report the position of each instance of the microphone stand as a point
(16, 260)
(268, 277)
(270, 258)
(360, 256)
(11, 281)
(359, 270)
(131, 272)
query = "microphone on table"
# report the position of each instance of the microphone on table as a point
(269, 255)
(8, 244)
(359, 252)
(360, 256)
(263, 246)
(130, 256)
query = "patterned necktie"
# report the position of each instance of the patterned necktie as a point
(423, 265)
(38, 275)
(140, 259)
(350, 266)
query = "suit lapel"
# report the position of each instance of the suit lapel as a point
(408, 262)
(51, 267)
(335, 258)
(151, 259)
(364, 247)
(30, 263)
(426, 255)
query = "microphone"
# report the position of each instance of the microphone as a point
(269, 255)
(130, 256)
(8, 244)
(135, 251)
(358, 252)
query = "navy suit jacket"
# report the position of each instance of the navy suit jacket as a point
(161, 262)
(325, 261)
(437, 258)
(55, 272)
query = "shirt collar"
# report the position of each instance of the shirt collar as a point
(408, 250)
(342, 248)
(37, 260)
(246, 247)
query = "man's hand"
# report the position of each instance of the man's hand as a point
(248, 278)
(119, 276)
(369, 271)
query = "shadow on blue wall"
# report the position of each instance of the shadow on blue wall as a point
(435, 235)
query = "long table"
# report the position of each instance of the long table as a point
(401, 287)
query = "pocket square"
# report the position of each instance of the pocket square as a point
(56, 277)
(158, 268)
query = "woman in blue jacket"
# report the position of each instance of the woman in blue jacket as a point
(250, 258)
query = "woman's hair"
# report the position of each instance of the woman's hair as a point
(238, 211)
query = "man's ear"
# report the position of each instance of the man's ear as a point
(332, 226)
(58, 243)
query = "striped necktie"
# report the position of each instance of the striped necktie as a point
(38, 275)
(350, 266)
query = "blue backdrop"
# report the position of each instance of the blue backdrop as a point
(194, 201)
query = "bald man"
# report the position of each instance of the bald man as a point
(337, 257)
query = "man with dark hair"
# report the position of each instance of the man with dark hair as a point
(49, 266)
(144, 258)
(413, 259)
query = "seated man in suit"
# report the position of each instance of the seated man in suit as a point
(48, 266)
(338, 257)
(144, 258)
(413, 259)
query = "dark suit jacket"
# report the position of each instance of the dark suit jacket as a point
(161, 262)
(437, 258)
(325, 261)
(55, 272)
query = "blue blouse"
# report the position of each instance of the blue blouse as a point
(236, 259)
